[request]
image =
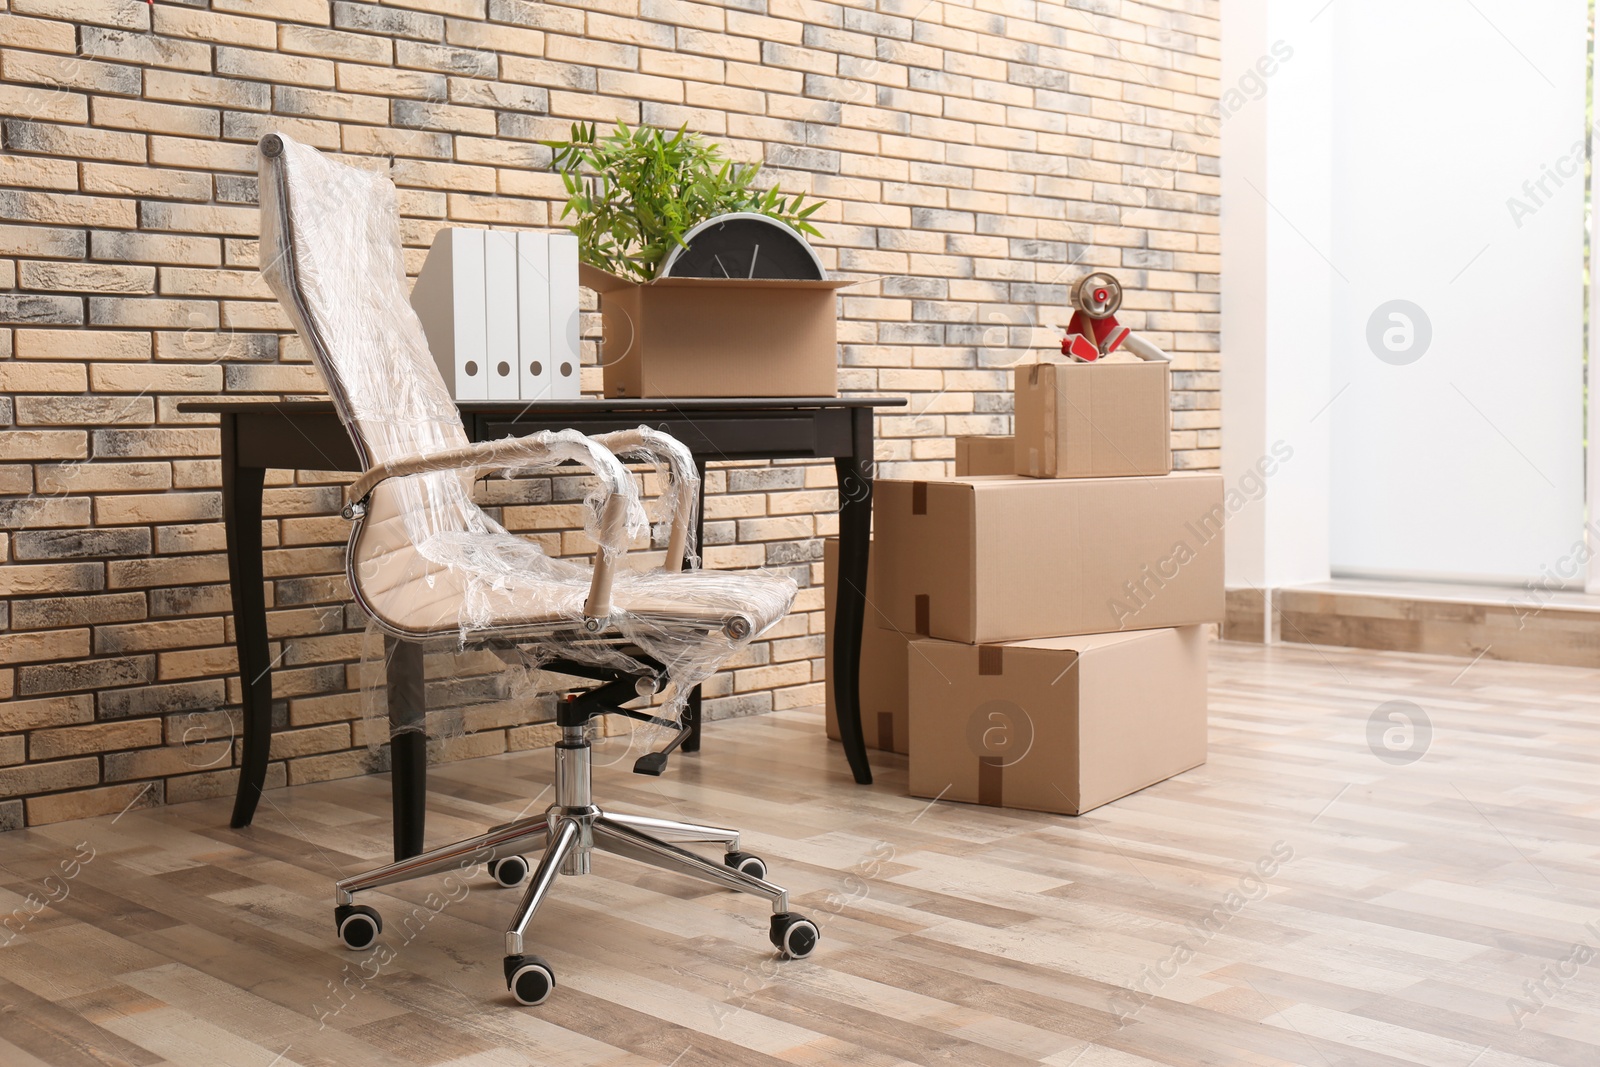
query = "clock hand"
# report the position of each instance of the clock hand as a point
(753, 256)
(718, 261)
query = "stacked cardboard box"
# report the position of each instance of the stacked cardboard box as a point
(1050, 624)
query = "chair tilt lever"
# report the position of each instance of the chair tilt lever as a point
(607, 699)
(653, 763)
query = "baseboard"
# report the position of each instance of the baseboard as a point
(1450, 620)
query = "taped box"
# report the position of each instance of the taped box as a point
(985, 455)
(1093, 420)
(883, 666)
(1062, 725)
(987, 559)
(717, 337)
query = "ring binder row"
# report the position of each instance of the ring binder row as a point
(500, 309)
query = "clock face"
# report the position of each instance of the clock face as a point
(743, 245)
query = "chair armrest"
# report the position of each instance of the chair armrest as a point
(681, 499)
(618, 510)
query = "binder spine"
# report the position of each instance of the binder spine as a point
(564, 326)
(533, 299)
(500, 314)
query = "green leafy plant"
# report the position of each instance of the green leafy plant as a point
(636, 192)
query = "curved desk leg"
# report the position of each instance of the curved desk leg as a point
(691, 710)
(408, 744)
(855, 540)
(241, 515)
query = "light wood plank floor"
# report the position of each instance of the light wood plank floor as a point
(1298, 900)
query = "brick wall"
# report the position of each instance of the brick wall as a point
(975, 157)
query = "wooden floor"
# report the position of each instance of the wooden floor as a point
(1298, 900)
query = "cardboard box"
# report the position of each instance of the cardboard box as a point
(1064, 724)
(705, 337)
(1010, 559)
(1093, 420)
(883, 667)
(985, 455)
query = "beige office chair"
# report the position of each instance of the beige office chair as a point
(425, 562)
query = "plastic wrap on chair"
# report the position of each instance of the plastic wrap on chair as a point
(679, 505)
(424, 559)
(469, 691)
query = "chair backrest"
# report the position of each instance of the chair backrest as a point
(330, 250)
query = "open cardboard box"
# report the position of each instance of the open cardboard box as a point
(711, 337)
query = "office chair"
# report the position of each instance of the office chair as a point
(425, 562)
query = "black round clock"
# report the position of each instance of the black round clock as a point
(743, 244)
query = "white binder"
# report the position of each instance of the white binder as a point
(501, 311)
(533, 289)
(564, 326)
(449, 299)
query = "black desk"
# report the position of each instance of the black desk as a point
(307, 435)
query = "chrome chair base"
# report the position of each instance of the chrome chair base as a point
(568, 832)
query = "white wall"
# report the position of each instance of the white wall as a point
(1276, 311)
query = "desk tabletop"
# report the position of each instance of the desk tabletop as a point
(588, 405)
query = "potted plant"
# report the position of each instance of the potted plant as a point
(635, 193)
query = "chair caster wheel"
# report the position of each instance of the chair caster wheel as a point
(359, 925)
(530, 979)
(745, 863)
(509, 871)
(794, 935)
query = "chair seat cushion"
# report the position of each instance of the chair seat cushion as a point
(493, 580)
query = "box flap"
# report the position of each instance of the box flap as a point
(601, 281)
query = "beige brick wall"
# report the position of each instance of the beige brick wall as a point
(975, 157)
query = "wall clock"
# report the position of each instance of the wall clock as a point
(743, 244)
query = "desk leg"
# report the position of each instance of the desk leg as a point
(241, 515)
(855, 540)
(408, 744)
(691, 710)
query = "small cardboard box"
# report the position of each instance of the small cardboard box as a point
(708, 337)
(883, 666)
(1011, 559)
(1093, 420)
(1064, 724)
(985, 455)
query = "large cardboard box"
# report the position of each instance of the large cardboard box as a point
(985, 455)
(1010, 559)
(883, 666)
(1093, 420)
(1064, 724)
(700, 337)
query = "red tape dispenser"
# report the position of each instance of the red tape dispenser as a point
(1093, 331)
